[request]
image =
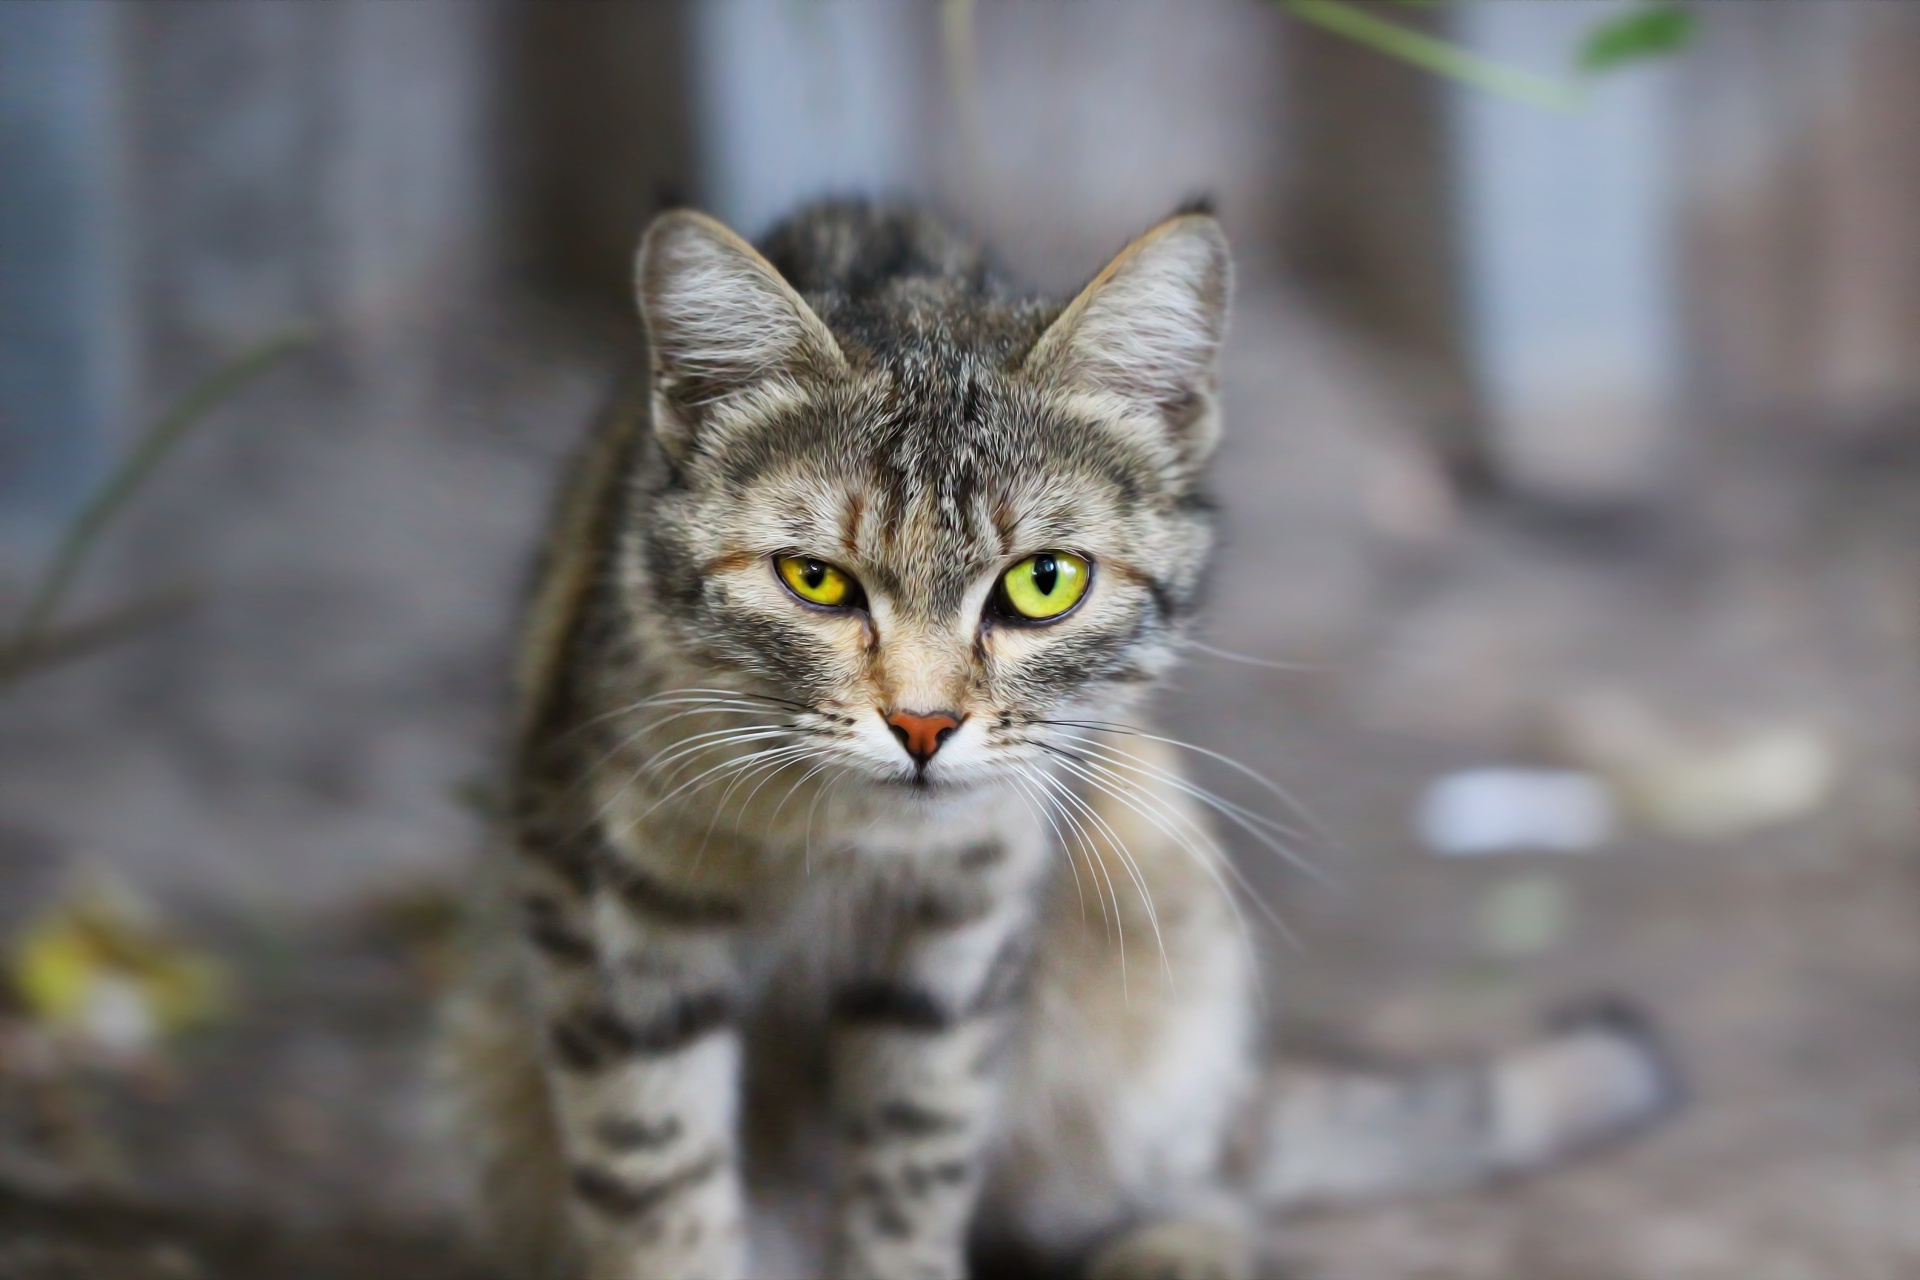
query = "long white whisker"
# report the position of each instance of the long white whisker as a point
(1132, 869)
(1208, 854)
(629, 739)
(1037, 804)
(1123, 796)
(699, 744)
(666, 786)
(697, 778)
(770, 763)
(1142, 764)
(1246, 819)
(1095, 868)
(684, 697)
(1286, 797)
(764, 769)
(1230, 656)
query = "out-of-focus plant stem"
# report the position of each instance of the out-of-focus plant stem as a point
(31, 645)
(1435, 55)
(55, 646)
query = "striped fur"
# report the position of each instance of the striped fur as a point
(1000, 991)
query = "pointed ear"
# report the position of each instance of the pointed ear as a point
(721, 323)
(1146, 333)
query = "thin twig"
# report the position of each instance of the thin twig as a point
(52, 648)
(84, 533)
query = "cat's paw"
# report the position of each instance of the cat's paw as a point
(1176, 1251)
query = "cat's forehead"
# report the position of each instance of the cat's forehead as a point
(925, 478)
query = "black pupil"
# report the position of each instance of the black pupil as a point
(1046, 574)
(813, 574)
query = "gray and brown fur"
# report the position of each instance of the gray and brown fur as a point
(741, 937)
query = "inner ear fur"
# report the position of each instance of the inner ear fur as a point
(721, 322)
(1147, 330)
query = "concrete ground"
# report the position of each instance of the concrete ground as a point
(280, 770)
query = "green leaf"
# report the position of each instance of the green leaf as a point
(1651, 31)
(1437, 56)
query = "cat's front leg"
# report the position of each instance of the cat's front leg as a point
(640, 988)
(915, 1088)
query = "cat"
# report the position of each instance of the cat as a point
(836, 841)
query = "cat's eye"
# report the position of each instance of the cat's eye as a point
(1045, 586)
(818, 582)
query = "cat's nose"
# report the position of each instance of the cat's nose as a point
(922, 732)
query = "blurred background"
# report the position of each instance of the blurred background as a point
(1571, 494)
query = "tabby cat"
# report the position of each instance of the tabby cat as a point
(837, 844)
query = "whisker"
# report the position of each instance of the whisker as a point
(1127, 793)
(1042, 811)
(688, 757)
(1142, 764)
(766, 769)
(806, 859)
(1210, 856)
(633, 737)
(1286, 797)
(682, 697)
(1132, 868)
(1246, 819)
(740, 814)
(1230, 656)
(1111, 921)
(695, 780)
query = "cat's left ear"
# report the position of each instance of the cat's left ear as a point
(722, 323)
(1145, 335)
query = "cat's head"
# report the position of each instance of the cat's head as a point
(931, 520)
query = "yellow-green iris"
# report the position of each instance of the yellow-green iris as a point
(1046, 585)
(815, 581)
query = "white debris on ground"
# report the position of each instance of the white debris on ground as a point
(1505, 810)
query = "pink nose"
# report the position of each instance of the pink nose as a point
(922, 733)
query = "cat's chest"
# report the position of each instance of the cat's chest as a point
(845, 904)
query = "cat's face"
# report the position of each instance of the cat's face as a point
(939, 527)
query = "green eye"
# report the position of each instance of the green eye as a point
(816, 581)
(1045, 586)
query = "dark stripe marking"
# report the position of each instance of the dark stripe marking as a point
(567, 859)
(574, 1047)
(978, 857)
(627, 1133)
(911, 1120)
(548, 930)
(920, 1179)
(1006, 979)
(615, 1197)
(900, 1120)
(595, 1038)
(883, 1198)
(647, 896)
(888, 1004)
(951, 910)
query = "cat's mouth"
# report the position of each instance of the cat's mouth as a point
(921, 782)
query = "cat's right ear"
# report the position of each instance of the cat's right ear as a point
(722, 324)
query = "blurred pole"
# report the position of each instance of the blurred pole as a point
(1801, 131)
(797, 99)
(63, 324)
(1568, 224)
(1370, 224)
(598, 125)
